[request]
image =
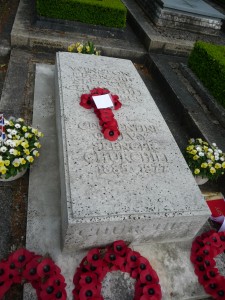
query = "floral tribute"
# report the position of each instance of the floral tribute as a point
(18, 148)
(203, 252)
(84, 48)
(24, 266)
(106, 118)
(99, 261)
(204, 159)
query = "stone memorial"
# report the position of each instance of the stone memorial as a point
(193, 15)
(138, 188)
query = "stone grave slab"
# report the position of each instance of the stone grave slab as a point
(138, 188)
(193, 15)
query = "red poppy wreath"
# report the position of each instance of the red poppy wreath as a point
(106, 118)
(99, 261)
(24, 266)
(203, 252)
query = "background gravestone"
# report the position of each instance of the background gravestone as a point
(192, 15)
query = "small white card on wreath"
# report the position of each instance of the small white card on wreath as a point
(103, 101)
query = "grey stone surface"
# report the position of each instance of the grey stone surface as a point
(43, 234)
(137, 188)
(198, 7)
(190, 15)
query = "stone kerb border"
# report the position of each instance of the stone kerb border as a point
(210, 101)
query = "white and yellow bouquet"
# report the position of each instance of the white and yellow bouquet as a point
(85, 48)
(19, 147)
(205, 160)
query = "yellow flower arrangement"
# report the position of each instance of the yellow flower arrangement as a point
(19, 149)
(85, 48)
(205, 160)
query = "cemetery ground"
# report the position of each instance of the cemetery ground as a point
(163, 72)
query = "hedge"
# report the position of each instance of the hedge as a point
(111, 13)
(207, 61)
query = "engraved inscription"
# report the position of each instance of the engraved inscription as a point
(130, 154)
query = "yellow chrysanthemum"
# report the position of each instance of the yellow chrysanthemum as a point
(25, 145)
(189, 148)
(26, 151)
(71, 47)
(212, 170)
(3, 169)
(1, 163)
(218, 166)
(16, 162)
(37, 144)
(30, 158)
(196, 171)
(36, 153)
(80, 48)
(6, 162)
(223, 165)
(204, 165)
(24, 128)
(193, 152)
(196, 157)
(22, 161)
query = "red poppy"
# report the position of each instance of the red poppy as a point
(120, 247)
(88, 279)
(138, 290)
(214, 239)
(111, 134)
(46, 267)
(143, 264)
(76, 277)
(4, 287)
(30, 271)
(4, 271)
(99, 91)
(94, 257)
(114, 258)
(53, 292)
(212, 287)
(112, 124)
(116, 102)
(153, 290)
(88, 292)
(132, 259)
(212, 273)
(197, 259)
(86, 101)
(21, 257)
(149, 277)
(209, 262)
(207, 251)
(222, 239)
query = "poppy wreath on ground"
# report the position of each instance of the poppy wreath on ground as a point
(203, 252)
(106, 118)
(116, 257)
(23, 266)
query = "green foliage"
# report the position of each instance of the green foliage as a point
(111, 13)
(207, 61)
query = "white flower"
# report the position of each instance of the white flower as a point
(199, 148)
(26, 134)
(17, 125)
(217, 158)
(9, 130)
(12, 144)
(222, 158)
(11, 151)
(191, 141)
(6, 122)
(210, 150)
(201, 154)
(7, 142)
(209, 161)
(20, 120)
(3, 149)
(214, 144)
(220, 151)
(13, 132)
(9, 136)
